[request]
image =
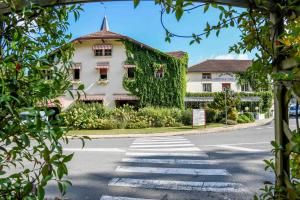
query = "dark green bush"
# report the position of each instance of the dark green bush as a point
(211, 115)
(250, 116)
(186, 117)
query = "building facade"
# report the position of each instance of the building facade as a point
(216, 75)
(115, 75)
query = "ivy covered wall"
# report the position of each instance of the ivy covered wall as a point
(168, 91)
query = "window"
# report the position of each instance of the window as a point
(76, 74)
(206, 87)
(245, 87)
(206, 76)
(226, 86)
(47, 74)
(130, 72)
(98, 52)
(103, 74)
(159, 73)
(107, 52)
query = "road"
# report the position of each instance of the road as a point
(224, 165)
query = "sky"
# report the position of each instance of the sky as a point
(143, 24)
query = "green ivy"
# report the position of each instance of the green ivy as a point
(168, 91)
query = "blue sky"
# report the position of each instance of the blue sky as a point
(143, 24)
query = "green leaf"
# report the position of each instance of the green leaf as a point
(206, 7)
(179, 13)
(136, 3)
(68, 158)
(40, 193)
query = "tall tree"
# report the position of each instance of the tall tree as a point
(33, 43)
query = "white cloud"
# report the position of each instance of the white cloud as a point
(232, 56)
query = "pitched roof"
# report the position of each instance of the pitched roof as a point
(105, 34)
(213, 65)
(178, 54)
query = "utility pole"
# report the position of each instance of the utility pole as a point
(225, 90)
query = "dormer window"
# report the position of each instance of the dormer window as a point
(102, 50)
(159, 73)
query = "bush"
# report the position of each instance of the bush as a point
(250, 116)
(95, 116)
(229, 122)
(233, 114)
(186, 117)
(211, 115)
(243, 119)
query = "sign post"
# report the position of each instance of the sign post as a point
(198, 116)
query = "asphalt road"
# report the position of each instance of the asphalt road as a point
(225, 165)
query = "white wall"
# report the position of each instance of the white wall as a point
(89, 75)
(194, 82)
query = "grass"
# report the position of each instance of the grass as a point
(141, 131)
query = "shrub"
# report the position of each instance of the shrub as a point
(186, 117)
(211, 115)
(229, 122)
(106, 124)
(232, 114)
(243, 119)
(250, 116)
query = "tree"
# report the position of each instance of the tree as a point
(33, 43)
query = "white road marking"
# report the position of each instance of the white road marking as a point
(177, 185)
(164, 145)
(105, 197)
(163, 137)
(270, 127)
(186, 149)
(181, 171)
(163, 142)
(238, 148)
(167, 154)
(259, 128)
(169, 161)
(95, 149)
(236, 144)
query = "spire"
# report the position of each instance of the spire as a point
(104, 26)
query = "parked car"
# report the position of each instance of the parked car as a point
(27, 116)
(292, 110)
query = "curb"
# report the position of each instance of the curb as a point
(192, 132)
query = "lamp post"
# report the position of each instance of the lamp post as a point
(225, 90)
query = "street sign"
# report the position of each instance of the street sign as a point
(198, 117)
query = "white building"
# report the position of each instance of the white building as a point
(215, 75)
(100, 65)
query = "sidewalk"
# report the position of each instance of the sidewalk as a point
(208, 130)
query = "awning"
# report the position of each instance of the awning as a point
(64, 102)
(95, 97)
(125, 97)
(102, 65)
(102, 46)
(129, 66)
(76, 66)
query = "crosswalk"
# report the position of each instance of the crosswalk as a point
(170, 164)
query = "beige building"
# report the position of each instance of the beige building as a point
(215, 75)
(100, 65)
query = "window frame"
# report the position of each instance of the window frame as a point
(204, 87)
(159, 73)
(132, 69)
(103, 74)
(244, 86)
(74, 74)
(206, 76)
